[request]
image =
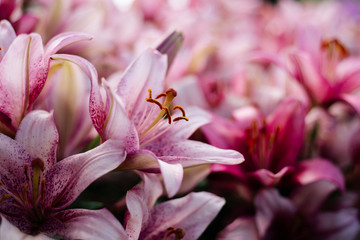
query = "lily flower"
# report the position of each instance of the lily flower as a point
(155, 136)
(23, 71)
(298, 217)
(270, 144)
(34, 188)
(182, 218)
(328, 73)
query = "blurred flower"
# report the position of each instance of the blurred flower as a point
(299, 217)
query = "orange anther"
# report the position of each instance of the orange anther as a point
(160, 95)
(151, 100)
(167, 112)
(180, 118)
(181, 109)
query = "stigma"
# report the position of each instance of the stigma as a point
(157, 120)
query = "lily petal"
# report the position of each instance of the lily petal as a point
(118, 125)
(10, 232)
(38, 135)
(69, 177)
(147, 161)
(13, 158)
(138, 201)
(147, 71)
(87, 224)
(7, 36)
(319, 169)
(191, 213)
(242, 229)
(62, 40)
(96, 103)
(189, 153)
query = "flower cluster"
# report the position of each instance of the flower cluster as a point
(243, 123)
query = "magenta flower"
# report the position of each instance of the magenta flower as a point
(24, 68)
(182, 218)
(154, 134)
(34, 187)
(328, 73)
(270, 145)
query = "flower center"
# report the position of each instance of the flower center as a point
(152, 125)
(260, 143)
(32, 192)
(178, 232)
(333, 51)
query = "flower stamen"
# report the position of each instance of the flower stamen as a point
(178, 232)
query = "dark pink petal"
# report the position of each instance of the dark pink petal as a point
(37, 70)
(343, 224)
(96, 104)
(240, 229)
(319, 169)
(268, 178)
(190, 153)
(270, 204)
(69, 177)
(26, 23)
(14, 79)
(288, 122)
(309, 198)
(85, 224)
(353, 100)
(7, 36)
(37, 134)
(147, 71)
(191, 213)
(348, 71)
(307, 73)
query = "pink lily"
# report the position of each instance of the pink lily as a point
(182, 218)
(34, 188)
(271, 145)
(23, 71)
(66, 93)
(328, 73)
(155, 139)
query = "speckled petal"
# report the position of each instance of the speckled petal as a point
(192, 213)
(86, 224)
(69, 177)
(38, 135)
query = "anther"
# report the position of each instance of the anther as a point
(150, 93)
(180, 118)
(167, 112)
(181, 109)
(178, 232)
(151, 100)
(27, 171)
(4, 197)
(160, 95)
